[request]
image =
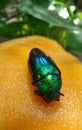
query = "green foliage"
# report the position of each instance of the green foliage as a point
(3, 14)
(56, 19)
(3, 3)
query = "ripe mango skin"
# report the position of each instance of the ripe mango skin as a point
(20, 108)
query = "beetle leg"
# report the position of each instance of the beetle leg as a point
(33, 83)
(61, 94)
(37, 93)
(58, 99)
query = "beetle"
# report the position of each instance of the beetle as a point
(46, 75)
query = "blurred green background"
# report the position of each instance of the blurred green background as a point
(57, 19)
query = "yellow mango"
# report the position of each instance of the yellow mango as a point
(20, 108)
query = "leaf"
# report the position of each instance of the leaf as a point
(3, 17)
(3, 3)
(79, 14)
(41, 10)
(74, 40)
(3, 14)
(14, 29)
(37, 27)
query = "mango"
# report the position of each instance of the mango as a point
(20, 108)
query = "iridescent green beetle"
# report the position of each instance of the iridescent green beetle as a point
(46, 75)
